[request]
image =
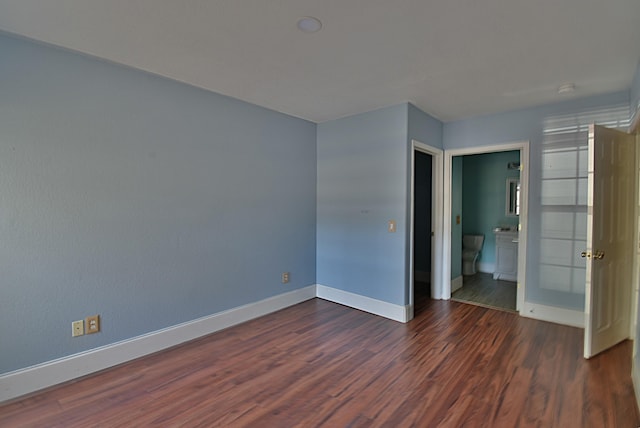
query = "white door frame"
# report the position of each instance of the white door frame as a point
(436, 219)
(523, 146)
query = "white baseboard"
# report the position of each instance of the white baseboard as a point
(552, 314)
(30, 379)
(367, 304)
(486, 267)
(456, 283)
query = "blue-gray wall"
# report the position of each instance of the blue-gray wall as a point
(484, 182)
(520, 125)
(152, 203)
(141, 199)
(424, 128)
(363, 173)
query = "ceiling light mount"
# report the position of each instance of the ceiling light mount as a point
(309, 24)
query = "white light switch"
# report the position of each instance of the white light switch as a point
(392, 226)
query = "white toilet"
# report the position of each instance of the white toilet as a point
(471, 246)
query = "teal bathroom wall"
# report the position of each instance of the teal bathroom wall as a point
(456, 210)
(484, 180)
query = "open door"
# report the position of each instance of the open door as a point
(610, 234)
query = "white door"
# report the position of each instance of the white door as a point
(609, 252)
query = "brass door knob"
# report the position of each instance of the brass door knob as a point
(599, 255)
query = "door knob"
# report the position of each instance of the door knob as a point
(599, 255)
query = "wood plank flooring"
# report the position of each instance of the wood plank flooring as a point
(319, 364)
(483, 290)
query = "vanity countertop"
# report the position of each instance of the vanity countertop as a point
(499, 230)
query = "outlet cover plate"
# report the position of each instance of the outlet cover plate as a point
(93, 324)
(77, 328)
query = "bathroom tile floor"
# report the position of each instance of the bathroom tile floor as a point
(481, 289)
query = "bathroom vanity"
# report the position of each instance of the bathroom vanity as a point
(506, 255)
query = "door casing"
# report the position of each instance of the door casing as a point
(437, 156)
(523, 147)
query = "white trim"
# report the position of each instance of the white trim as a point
(523, 227)
(553, 314)
(523, 146)
(30, 379)
(456, 283)
(486, 267)
(438, 197)
(364, 303)
(505, 277)
(445, 292)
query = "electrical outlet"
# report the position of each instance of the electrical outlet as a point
(391, 226)
(285, 277)
(93, 324)
(77, 328)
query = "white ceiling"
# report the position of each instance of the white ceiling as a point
(451, 58)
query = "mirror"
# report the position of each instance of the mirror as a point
(513, 197)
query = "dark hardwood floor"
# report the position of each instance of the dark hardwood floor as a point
(482, 289)
(323, 364)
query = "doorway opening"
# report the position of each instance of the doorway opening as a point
(500, 259)
(485, 195)
(422, 227)
(426, 226)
